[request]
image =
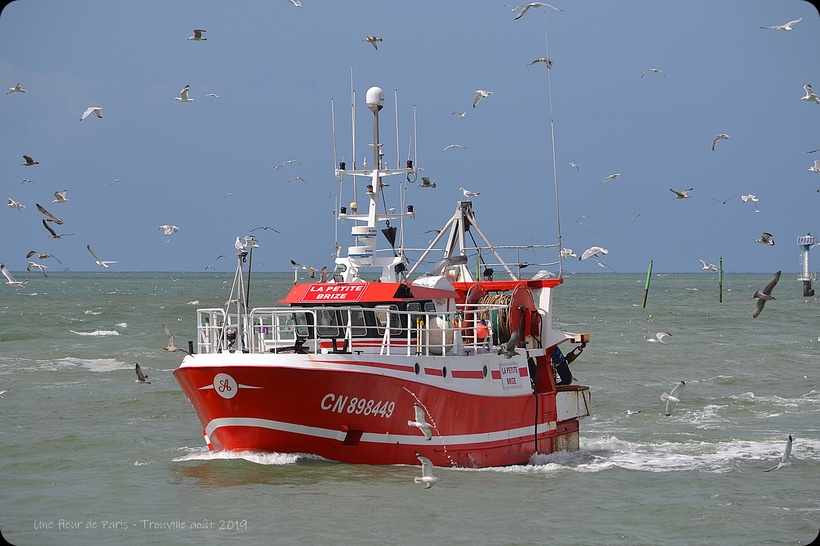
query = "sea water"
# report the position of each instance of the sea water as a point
(90, 457)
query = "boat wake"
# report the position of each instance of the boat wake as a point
(258, 457)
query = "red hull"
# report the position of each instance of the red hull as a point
(344, 411)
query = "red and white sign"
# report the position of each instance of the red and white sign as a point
(320, 293)
(510, 376)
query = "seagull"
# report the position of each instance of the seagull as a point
(101, 263)
(766, 239)
(27, 180)
(303, 180)
(682, 194)
(373, 39)
(41, 267)
(50, 217)
(749, 197)
(765, 295)
(508, 351)
(16, 89)
(92, 109)
(707, 266)
(449, 146)
(265, 228)
(15, 205)
(28, 161)
(816, 167)
(59, 196)
(480, 94)
(168, 229)
(197, 35)
(170, 347)
(810, 94)
(296, 3)
(9, 279)
(141, 377)
(784, 460)
(654, 71)
(593, 252)
(311, 270)
(787, 27)
(658, 338)
(575, 165)
(53, 234)
(467, 193)
(41, 256)
(672, 398)
(214, 95)
(567, 253)
(425, 182)
(183, 95)
(240, 246)
(611, 177)
(420, 422)
(719, 136)
(426, 472)
(526, 7)
(288, 162)
(460, 114)
(544, 60)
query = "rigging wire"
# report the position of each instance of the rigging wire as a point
(554, 160)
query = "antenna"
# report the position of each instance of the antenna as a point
(554, 159)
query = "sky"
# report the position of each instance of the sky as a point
(281, 71)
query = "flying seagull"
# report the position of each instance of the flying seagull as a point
(766, 239)
(16, 89)
(41, 256)
(265, 228)
(50, 217)
(33, 265)
(784, 460)
(373, 40)
(658, 338)
(508, 351)
(575, 165)
(749, 197)
(672, 398)
(9, 279)
(92, 110)
(425, 182)
(593, 252)
(544, 60)
(29, 161)
(816, 167)
(480, 94)
(214, 95)
(449, 146)
(421, 423)
(197, 35)
(141, 377)
(654, 71)
(15, 205)
(810, 94)
(27, 180)
(460, 114)
(682, 194)
(53, 234)
(59, 196)
(707, 266)
(526, 7)
(567, 253)
(787, 27)
(288, 162)
(303, 180)
(168, 229)
(765, 295)
(183, 95)
(296, 3)
(170, 347)
(467, 193)
(101, 263)
(426, 472)
(311, 270)
(719, 136)
(611, 177)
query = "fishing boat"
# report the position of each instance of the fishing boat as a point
(452, 357)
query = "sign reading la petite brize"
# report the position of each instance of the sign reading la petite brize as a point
(333, 292)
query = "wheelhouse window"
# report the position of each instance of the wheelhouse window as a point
(385, 313)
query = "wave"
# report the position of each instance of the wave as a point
(258, 457)
(97, 333)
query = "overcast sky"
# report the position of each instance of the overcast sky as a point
(208, 166)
